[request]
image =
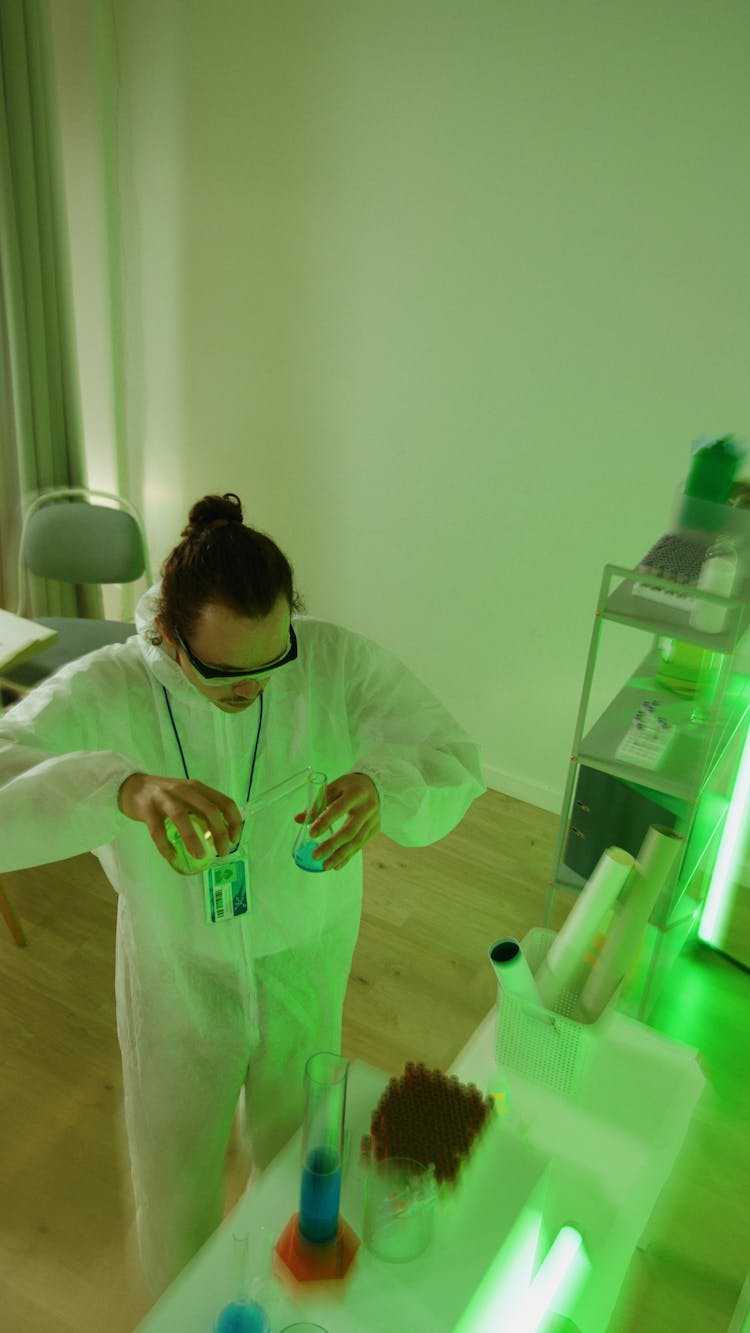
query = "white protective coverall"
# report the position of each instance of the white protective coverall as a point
(211, 1014)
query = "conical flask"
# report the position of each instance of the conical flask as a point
(244, 1314)
(305, 844)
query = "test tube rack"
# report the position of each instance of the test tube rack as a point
(430, 1117)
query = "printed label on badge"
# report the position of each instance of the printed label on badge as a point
(226, 888)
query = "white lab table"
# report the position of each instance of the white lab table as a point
(598, 1164)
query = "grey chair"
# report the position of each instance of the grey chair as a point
(74, 542)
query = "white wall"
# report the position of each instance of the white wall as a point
(444, 292)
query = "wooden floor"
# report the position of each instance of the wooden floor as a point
(420, 984)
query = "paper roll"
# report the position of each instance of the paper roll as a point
(656, 859)
(598, 895)
(582, 972)
(513, 972)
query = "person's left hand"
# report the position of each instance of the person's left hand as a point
(356, 795)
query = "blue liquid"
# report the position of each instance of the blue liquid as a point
(250, 1318)
(303, 857)
(320, 1196)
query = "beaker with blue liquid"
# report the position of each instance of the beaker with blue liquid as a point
(305, 844)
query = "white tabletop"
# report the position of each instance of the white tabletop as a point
(610, 1152)
(598, 1164)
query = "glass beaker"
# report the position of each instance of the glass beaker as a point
(183, 861)
(304, 843)
(400, 1200)
(322, 1147)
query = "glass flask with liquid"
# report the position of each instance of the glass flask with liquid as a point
(317, 1243)
(322, 1147)
(185, 863)
(305, 844)
(245, 1314)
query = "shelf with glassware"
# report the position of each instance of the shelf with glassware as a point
(614, 792)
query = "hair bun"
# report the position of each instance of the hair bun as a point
(213, 511)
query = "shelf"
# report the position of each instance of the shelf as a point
(698, 861)
(695, 779)
(659, 951)
(626, 607)
(686, 765)
(568, 879)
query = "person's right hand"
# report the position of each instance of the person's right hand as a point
(151, 800)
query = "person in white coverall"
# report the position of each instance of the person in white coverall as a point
(174, 721)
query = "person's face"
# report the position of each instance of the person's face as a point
(224, 640)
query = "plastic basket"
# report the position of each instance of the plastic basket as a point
(546, 1045)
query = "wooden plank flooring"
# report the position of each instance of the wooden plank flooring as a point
(419, 985)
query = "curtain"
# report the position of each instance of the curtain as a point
(40, 416)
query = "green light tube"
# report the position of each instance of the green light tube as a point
(510, 1301)
(558, 1265)
(504, 1286)
(722, 888)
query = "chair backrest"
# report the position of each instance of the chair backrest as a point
(80, 542)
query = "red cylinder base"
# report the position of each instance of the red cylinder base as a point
(305, 1262)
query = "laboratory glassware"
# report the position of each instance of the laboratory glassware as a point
(322, 1146)
(317, 1243)
(243, 1314)
(305, 844)
(304, 1328)
(400, 1200)
(186, 864)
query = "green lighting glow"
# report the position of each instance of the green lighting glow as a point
(510, 1298)
(722, 889)
(507, 1280)
(559, 1267)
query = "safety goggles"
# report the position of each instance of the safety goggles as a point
(221, 676)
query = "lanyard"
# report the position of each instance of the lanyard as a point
(182, 756)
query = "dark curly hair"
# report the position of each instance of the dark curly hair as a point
(220, 561)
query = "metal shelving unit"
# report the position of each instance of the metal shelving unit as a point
(695, 779)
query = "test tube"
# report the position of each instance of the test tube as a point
(274, 794)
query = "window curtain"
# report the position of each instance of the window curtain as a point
(41, 443)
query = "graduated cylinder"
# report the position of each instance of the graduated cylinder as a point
(322, 1147)
(317, 1244)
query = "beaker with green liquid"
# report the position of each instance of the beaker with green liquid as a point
(185, 863)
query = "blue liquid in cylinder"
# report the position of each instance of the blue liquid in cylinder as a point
(320, 1196)
(303, 857)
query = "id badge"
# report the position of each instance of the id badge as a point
(226, 888)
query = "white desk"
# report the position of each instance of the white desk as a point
(611, 1152)
(599, 1165)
